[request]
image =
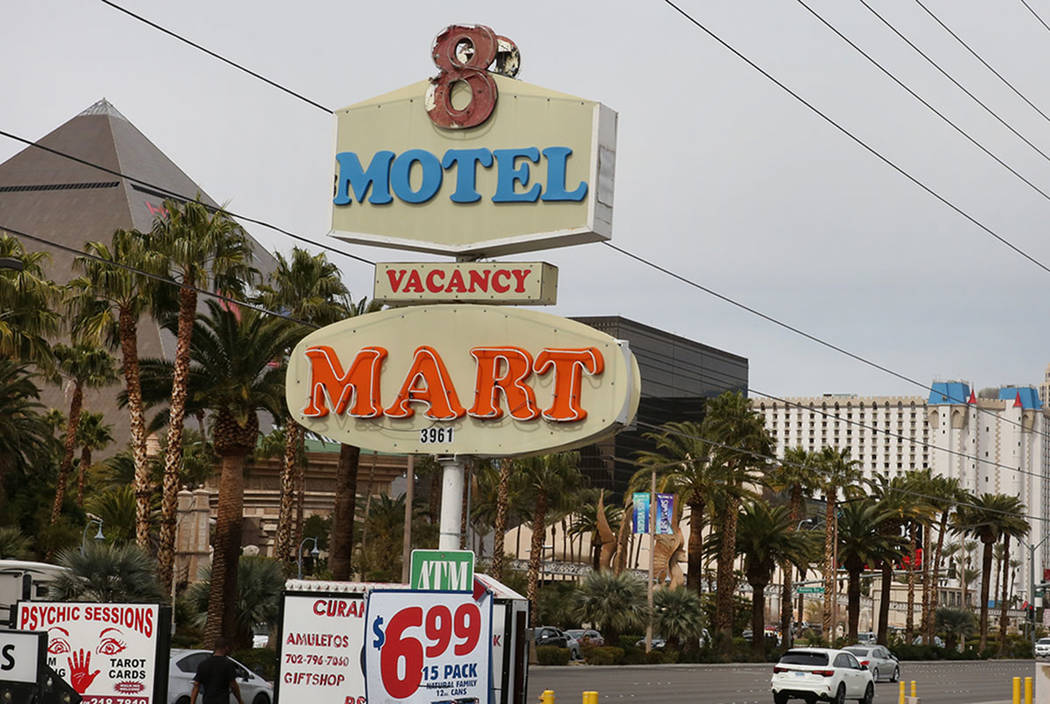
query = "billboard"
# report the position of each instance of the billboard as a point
(462, 379)
(108, 652)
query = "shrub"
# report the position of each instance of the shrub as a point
(606, 655)
(261, 661)
(552, 655)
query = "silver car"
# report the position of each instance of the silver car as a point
(183, 666)
(1042, 648)
(879, 660)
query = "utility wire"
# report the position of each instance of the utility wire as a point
(926, 103)
(960, 86)
(211, 53)
(153, 276)
(977, 56)
(178, 196)
(1036, 15)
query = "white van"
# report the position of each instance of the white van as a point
(25, 581)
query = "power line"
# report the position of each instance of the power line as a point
(926, 103)
(1036, 15)
(960, 86)
(977, 56)
(154, 277)
(178, 196)
(213, 54)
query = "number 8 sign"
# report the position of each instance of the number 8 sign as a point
(424, 647)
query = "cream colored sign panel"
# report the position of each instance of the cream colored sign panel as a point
(462, 379)
(504, 283)
(537, 174)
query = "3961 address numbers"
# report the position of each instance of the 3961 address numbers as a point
(428, 436)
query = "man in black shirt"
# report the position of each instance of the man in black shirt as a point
(216, 677)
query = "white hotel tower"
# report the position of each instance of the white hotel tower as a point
(992, 445)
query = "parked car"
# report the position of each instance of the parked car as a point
(588, 635)
(183, 666)
(660, 642)
(548, 635)
(821, 673)
(1042, 648)
(882, 663)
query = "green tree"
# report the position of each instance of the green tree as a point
(956, 624)
(838, 472)
(743, 444)
(108, 573)
(861, 543)
(798, 474)
(614, 603)
(111, 300)
(895, 506)
(202, 248)
(116, 506)
(678, 616)
(982, 517)
(1012, 526)
(93, 433)
(944, 494)
(26, 439)
(259, 584)
(29, 313)
(763, 537)
(13, 545)
(84, 366)
(310, 289)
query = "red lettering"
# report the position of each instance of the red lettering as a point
(359, 384)
(496, 285)
(432, 285)
(569, 366)
(415, 283)
(479, 280)
(396, 277)
(520, 275)
(455, 283)
(516, 366)
(436, 391)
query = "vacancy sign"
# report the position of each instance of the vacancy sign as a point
(443, 570)
(427, 647)
(503, 283)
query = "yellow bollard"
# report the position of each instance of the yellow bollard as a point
(913, 694)
(592, 698)
(901, 700)
(548, 697)
(1027, 690)
(1017, 690)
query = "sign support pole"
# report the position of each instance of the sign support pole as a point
(451, 502)
(652, 558)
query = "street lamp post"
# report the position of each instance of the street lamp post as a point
(98, 536)
(1031, 580)
(313, 553)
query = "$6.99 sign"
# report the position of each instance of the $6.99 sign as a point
(427, 646)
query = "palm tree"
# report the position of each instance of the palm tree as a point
(93, 433)
(944, 494)
(678, 615)
(112, 299)
(260, 580)
(861, 544)
(230, 378)
(894, 506)
(310, 289)
(682, 455)
(763, 537)
(743, 444)
(13, 545)
(983, 517)
(798, 474)
(548, 481)
(83, 366)
(108, 573)
(838, 471)
(587, 521)
(499, 529)
(955, 624)
(614, 603)
(116, 506)
(26, 438)
(918, 486)
(28, 304)
(1011, 526)
(202, 248)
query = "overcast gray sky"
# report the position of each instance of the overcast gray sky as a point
(721, 176)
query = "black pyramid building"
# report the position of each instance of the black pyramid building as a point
(67, 202)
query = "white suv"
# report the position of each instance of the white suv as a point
(1042, 648)
(821, 673)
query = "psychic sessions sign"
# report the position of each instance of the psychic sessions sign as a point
(462, 379)
(109, 653)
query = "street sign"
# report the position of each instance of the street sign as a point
(809, 590)
(443, 570)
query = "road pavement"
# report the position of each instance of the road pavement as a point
(988, 682)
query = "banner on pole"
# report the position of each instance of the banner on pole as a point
(640, 518)
(665, 514)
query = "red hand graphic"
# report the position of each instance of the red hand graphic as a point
(79, 668)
